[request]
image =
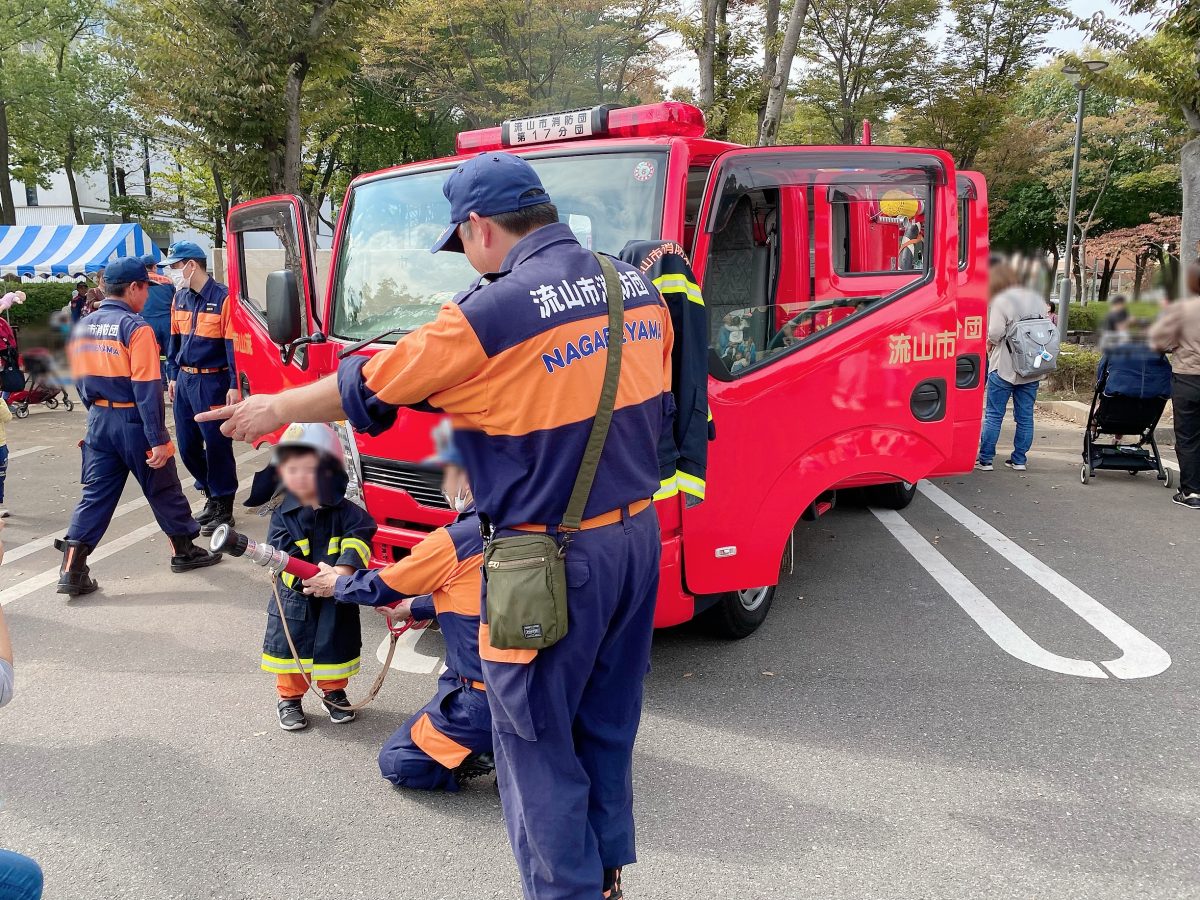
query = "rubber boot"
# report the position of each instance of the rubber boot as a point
(210, 510)
(74, 577)
(188, 556)
(223, 515)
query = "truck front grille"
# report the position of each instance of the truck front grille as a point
(423, 485)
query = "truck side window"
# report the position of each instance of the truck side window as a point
(878, 232)
(964, 231)
(262, 250)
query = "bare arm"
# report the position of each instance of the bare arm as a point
(261, 414)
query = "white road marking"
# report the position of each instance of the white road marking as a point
(17, 453)
(407, 659)
(105, 550)
(1140, 656)
(47, 540)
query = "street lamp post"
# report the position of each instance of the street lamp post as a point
(1076, 76)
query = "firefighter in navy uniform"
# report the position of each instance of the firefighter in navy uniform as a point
(114, 360)
(203, 376)
(682, 461)
(518, 362)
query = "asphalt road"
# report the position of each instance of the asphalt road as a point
(872, 740)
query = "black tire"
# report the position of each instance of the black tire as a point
(897, 495)
(69, 404)
(737, 614)
(1083, 474)
(51, 403)
(20, 410)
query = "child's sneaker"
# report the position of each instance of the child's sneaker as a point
(291, 715)
(3, 513)
(981, 466)
(1015, 466)
(338, 716)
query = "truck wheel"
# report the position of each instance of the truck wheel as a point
(897, 495)
(737, 614)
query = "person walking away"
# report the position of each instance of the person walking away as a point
(1011, 302)
(6, 416)
(202, 376)
(564, 715)
(1177, 332)
(449, 740)
(20, 876)
(315, 522)
(114, 360)
(158, 308)
(78, 301)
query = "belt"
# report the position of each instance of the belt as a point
(113, 404)
(194, 371)
(609, 518)
(478, 685)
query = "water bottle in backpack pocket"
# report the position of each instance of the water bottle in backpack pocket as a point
(1033, 343)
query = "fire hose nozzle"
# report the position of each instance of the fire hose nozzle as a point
(226, 540)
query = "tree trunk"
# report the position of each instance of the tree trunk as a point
(8, 209)
(770, 55)
(1106, 277)
(1139, 272)
(69, 166)
(708, 48)
(769, 132)
(293, 138)
(1189, 165)
(222, 208)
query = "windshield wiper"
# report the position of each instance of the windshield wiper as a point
(371, 340)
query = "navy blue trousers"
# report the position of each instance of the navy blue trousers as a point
(207, 454)
(115, 446)
(565, 722)
(424, 751)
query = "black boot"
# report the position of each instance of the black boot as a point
(74, 577)
(210, 510)
(188, 556)
(222, 516)
(477, 765)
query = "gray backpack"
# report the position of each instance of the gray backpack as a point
(1033, 343)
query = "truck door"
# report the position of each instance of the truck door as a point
(271, 252)
(813, 387)
(970, 373)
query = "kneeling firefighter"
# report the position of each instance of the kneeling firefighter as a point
(449, 740)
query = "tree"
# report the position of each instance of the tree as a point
(860, 57)
(777, 68)
(726, 36)
(1156, 240)
(988, 50)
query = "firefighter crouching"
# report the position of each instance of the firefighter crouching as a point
(203, 376)
(114, 361)
(449, 740)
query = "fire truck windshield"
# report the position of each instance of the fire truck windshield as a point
(387, 277)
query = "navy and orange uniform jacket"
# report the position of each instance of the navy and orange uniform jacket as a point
(518, 361)
(327, 634)
(202, 331)
(444, 574)
(683, 461)
(114, 358)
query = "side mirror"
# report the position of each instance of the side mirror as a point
(283, 307)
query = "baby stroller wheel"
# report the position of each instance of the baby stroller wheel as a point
(1165, 477)
(20, 409)
(68, 403)
(1083, 474)
(51, 403)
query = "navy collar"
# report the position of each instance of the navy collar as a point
(117, 302)
(537, 241)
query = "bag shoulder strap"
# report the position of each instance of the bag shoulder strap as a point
(608, 398)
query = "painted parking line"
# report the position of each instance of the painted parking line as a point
(406, 658)
(1140, 656)
(47, 540)
(14, 454)
(105, 550)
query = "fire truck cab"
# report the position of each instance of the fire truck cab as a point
(846, 290)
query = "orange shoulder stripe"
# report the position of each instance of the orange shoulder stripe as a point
(426, 569)
(143, 355)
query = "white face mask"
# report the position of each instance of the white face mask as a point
(179, 277)
(460, 502)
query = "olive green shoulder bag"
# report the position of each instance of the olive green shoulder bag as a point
(526, 573)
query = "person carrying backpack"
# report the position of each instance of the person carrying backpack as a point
(1022, 350)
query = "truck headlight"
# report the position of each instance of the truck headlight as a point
(354, 491)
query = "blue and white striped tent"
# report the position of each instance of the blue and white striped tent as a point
(69, 249)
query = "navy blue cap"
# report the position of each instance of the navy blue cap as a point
(124, 270)
(181, 250)
(488, 185)
(149, 261)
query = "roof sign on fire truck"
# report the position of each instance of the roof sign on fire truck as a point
(560, 126)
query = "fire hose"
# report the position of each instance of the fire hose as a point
(226, 540)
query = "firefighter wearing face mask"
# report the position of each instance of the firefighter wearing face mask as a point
(202, 376)
(449, 740)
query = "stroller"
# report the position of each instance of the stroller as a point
(42, 384)
(1131, 411)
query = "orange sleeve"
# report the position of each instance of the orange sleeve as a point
(143, 355)
(438, 357)
(426, 569)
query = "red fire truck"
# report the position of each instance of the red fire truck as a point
(846, 289)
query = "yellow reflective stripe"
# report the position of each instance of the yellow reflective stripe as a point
(303, 544)
(710, 414)
(690, 484)
(681, 284)
(364, 552)
(335, 546)
(284, 666)
(667, 488)
(288, 579)
(326, 671)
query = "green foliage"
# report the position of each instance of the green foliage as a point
(41, 301)
(1076, 370)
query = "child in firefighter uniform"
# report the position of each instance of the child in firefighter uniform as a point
(314, 522)
(449, 740)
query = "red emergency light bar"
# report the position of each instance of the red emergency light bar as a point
(669, 119)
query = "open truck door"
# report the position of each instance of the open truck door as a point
(278, 340)
(832, 363)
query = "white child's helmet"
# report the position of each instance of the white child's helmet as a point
(313, 436)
